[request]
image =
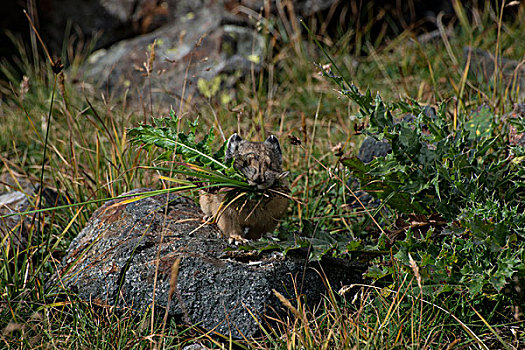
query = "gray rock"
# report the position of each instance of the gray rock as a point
(108, 20)
(200, 45)
(364, 197)
(369, 150)
(113, 20)
(12, 181)
(113, 261)
(13, 231)
(202, 40)
(372, 148)
(195, 347)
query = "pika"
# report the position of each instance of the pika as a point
(261, 165)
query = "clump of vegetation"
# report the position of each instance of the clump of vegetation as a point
(199, 162)
(457, 192)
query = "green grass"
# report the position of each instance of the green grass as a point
(90, 158)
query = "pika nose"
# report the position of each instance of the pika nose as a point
(258, 180)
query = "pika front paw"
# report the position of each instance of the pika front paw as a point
(237, 240)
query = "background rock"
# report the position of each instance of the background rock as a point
(113, 20)
(372, 148)
(125, 28)
(13, 231)
(113, 262)
(201, 45)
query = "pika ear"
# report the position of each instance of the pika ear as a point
(273, 142)
(231, 147)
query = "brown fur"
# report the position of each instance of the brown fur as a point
(261, 164)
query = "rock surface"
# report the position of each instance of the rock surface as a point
(115, 20)
(114, 261)
(108, 20)
(14, 229)
(372, 148)
(200, 45)
(194, 40)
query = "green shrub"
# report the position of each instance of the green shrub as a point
(456, 186)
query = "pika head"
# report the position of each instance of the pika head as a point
(259, 162)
